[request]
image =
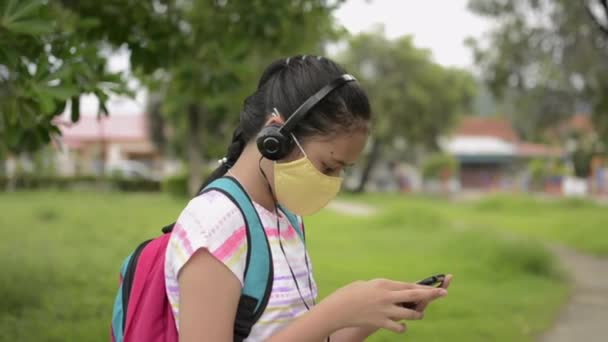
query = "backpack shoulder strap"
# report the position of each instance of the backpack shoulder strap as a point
(295, 223)
(258, 270)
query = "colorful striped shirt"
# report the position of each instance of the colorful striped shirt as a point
(213, 221)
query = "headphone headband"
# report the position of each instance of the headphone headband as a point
(305, 107)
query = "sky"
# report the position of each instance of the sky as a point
(438, 25)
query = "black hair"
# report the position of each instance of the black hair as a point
(285, 85)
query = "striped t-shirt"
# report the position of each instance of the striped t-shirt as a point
(213, 221)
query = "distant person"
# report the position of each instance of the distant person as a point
(306, 121)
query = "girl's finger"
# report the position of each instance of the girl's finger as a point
(418, 295)
(394, 285)
(445, 284)
(421, 306)
(446, 281)
(399, 313)
(393, 326)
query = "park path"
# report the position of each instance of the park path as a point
(584, 317)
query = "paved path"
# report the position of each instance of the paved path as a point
(352, 209)
(585, 316)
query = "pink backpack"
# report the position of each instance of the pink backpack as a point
(142, 311)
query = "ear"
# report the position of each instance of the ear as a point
(275, 121)
(275, 118)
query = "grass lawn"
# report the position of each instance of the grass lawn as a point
(577, 223)
(62, 250)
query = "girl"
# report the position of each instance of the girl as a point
(297, 166)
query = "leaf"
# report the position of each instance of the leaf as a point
(103, 109)
(75, 114)
(9, 7)
(47, 105)
(31, 27)
(26, 8)
(59, 107)
(61, 92)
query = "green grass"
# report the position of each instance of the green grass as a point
(61, 252)
(577, 223)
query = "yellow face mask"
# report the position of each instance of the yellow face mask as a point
(303, 189)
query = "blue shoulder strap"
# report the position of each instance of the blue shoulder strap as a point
(258, 270)
(295, 223)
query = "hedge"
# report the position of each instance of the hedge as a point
(32, 182)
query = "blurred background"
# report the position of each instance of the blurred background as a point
(487, 158)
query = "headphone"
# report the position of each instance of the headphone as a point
(275, 141)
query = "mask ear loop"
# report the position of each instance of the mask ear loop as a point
(275, 113)
(299, 146)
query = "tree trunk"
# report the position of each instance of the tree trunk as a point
(195, 154)
(374, 155)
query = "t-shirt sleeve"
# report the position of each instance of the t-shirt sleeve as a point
(211, 221)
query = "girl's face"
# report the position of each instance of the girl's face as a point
(334, 153)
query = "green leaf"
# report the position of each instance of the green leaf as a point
(61, 92)
(26, 8)
(47, 105)
(9, 7)
(59, 107)
(103, 109)
(31, 27)
(75, 114)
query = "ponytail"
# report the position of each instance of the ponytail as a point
(232, 155)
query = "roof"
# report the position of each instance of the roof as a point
(538, 150)
(113, 128)
(493, 138)
(486, 127)
(479, 146)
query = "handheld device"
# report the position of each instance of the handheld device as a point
(434, 281)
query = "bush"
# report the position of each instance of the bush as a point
(542, 171)
(438, 165)
(527, 256)
(33, 182)
(177, 185)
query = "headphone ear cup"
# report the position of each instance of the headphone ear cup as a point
(272, 144)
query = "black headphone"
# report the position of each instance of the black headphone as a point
(275, 141)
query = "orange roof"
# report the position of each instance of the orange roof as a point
(488, 127)
(538, 150)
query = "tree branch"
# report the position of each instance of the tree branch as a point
(600, 25)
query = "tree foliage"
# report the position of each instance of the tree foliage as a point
(200, 55)
(412, 96)
(546, 57)
(46, 59)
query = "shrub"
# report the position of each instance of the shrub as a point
(439, 165)
(33, 182)
(177, 185)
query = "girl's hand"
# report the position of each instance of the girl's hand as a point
(375, 304)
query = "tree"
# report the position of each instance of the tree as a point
(46, 59)
(413, 97)
(546, 57)
(199, 54)
(600, 19)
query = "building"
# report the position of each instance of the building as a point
(117, 143)
(491, 155)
